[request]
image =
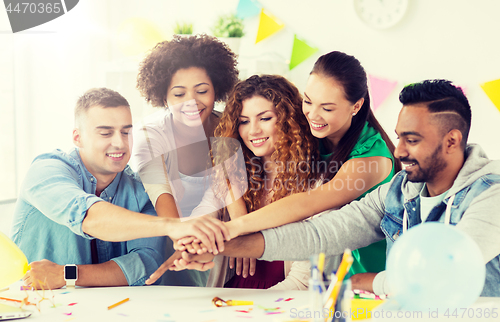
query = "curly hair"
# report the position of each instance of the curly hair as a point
(167, 57)
(295, 144)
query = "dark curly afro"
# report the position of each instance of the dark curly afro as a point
(167, 57)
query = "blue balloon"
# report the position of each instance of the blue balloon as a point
(435, 266)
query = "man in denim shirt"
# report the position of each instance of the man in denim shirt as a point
(88, 208)
(445, 180)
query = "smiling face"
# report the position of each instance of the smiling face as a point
(103, 140)
(420, 146)
(257, 126)
(328, 111)
(191, 96)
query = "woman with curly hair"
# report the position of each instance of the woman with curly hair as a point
(184, 77)
(263, 114)
(357, 155)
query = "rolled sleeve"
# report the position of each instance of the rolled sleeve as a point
(55, 189)
(297, 278)
(143, 259)
(154, 191)
(380, 286)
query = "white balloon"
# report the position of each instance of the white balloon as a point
(434, 265)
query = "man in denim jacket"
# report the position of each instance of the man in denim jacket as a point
(445, 180)
(87, 207)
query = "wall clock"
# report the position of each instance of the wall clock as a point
(381, 14)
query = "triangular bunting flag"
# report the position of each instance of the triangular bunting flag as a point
(379, 90)
(268, 25)
(248, 8)
(492, 89)
(300, 52)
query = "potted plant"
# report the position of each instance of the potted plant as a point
(183, 28)
(229, 28)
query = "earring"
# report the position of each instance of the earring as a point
(353, 114)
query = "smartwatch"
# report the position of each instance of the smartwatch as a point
(70, 275)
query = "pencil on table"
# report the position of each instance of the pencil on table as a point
(119, 303)
(8, 299)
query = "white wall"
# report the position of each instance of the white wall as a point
(55, 63)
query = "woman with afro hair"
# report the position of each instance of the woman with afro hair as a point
(184, 77)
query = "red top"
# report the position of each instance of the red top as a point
(267, 274)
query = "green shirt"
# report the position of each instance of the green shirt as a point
(370, 144)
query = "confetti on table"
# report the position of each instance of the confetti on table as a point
(360, 294)
(56, 305)
(244, 311)
(68, 313)
(244, 316)
(71, 304)
(65, 292)
(26, 288)
(275, 312)
(205, 311)
(289, 299)
(272, 309)
(4, 289)
(279, 300)
(72, 318)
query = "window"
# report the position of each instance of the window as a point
(8, 185)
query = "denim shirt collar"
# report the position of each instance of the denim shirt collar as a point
(109, 192)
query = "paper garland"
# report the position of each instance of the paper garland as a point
(248, 8)
(379, 90)
(300, 52)
(492, 89)
(268, 25)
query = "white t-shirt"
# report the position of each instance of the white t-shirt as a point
(428, 203)
(154, 157)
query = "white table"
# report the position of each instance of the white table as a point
(160, 303)
(169, 303)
